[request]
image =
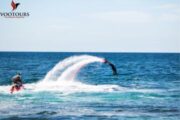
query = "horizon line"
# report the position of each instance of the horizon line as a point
(92, 51)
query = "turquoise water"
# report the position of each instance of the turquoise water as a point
(147, 86)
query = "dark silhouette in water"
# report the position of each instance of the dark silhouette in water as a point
(112, 66)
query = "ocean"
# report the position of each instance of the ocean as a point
(79, 86)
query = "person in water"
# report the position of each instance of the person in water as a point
(112, 67)
(17, 82)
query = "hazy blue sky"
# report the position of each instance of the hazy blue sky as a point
(92, 25)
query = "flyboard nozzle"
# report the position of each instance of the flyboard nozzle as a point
(112, 66)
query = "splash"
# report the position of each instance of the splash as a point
(63, 76)
(55, 73)
(71, 72)
(68, 68)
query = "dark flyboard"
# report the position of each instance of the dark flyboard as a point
(112, 66)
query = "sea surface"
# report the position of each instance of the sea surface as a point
(80, 86)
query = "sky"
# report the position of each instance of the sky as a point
(92, 26)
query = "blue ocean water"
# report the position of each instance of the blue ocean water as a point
(147, 87)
